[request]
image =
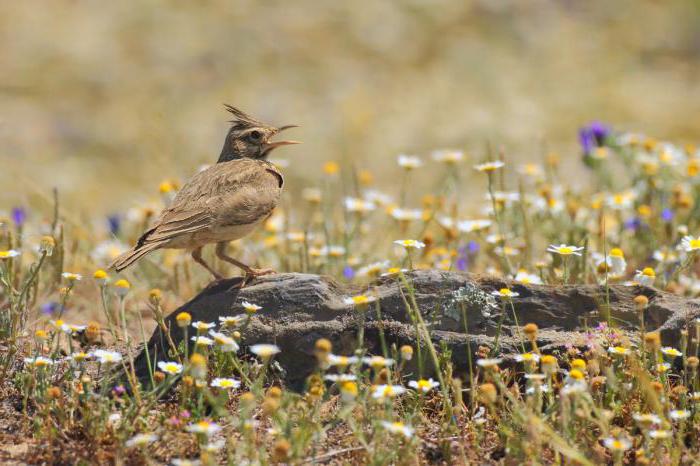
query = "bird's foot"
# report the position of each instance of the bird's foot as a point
(251, 274)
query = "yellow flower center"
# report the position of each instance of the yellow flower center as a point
(649, 272)
(578, 364)
(331, 168)
(650, 168)
(644, 210)
(548, 359)
(566, 250)
(617, 252)
(377, 362)
(531, 169)
(271, 241)
(423, 384)
(165, 187)
(349, 387)
(694, 243)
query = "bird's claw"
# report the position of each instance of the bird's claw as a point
(252, 274)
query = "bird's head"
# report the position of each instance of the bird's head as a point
(250, 138)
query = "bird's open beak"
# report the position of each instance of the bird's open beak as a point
(273, 144)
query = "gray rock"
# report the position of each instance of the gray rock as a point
(298, 309)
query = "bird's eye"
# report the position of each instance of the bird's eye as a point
(255, 136)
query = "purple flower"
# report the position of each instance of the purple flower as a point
(600, 131)
(593, 135)
(633, 224)
(19, 215)
(463, 257)
(50, 308)
(667, 215)
(119, 390)
(114, 224)
(348, 272)
(462, 263)
(473, 247)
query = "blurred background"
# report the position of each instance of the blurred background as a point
(105, 100)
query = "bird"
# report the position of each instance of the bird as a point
(223, 202)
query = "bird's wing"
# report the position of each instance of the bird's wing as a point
(238, 192)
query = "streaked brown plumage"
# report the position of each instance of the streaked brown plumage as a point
(222, 203)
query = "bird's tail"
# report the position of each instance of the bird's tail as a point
(132, 255)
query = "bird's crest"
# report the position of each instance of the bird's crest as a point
(241, 118)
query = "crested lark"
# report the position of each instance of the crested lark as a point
(222, 203)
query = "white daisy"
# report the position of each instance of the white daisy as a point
(409, 162)
(39, 361)
(489, 166)
(141, 440)
(250, 307)
(410, 243)
(380, 392)
(205, 427)
(423, 385)
(203, 326)
(170, 367)
(265, 351)
(689, 243)
(565, 250)
(202, 341)
(107, 357)
(225, 383)
(226, 343)
(398, 428)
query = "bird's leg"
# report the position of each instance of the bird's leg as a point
(249, 271)
(197, 256)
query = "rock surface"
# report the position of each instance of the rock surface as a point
(298, 309)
